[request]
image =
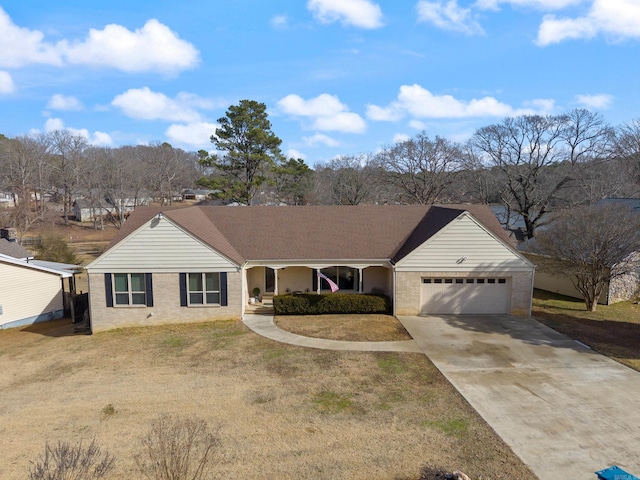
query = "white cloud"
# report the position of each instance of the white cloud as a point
(64, 102)
(293, 153)
(418, 102)
(326, 112)
(320, 139)
(154, 47)
(6, 83)
(142, 103)
(400, 137)
(539, 4)
(97, 138)
(383, 114)
(192, 135)
(448, 15)
(598, 101)
(21, 46)
(358, 13)
(52, 124)
(617, 19)
(280, 21)
(417, 125)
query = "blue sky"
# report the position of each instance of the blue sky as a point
(338, 76)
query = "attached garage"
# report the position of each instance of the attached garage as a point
(461, 268)
(462, 296)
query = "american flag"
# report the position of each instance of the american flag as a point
(332, 285)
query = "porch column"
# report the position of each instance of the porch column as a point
(360, 270)
(317, 282)
(275, 283)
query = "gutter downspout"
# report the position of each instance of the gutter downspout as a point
(393, 289)
(533, 273)
(243, 287)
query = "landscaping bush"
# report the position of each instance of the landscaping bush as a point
(72, 462)
(330, 303)
(177, 448)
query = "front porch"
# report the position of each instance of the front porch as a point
(270, 280)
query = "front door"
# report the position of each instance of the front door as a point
(269, 280)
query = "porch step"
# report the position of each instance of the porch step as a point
(267, 300)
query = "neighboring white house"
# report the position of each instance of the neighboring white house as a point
(30, 293)
(202, 263)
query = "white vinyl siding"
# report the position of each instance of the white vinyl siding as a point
(463, 246)
(160, 246)
(28, 292)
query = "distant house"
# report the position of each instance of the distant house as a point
(198, 194)
(87, 211)
(5, 197)
(202, 263)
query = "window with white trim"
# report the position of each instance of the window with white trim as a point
(204, 288)
(129, 289)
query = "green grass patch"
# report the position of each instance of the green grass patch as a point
(173, 342)
(392, 364)
(329, 402)
(452, 426)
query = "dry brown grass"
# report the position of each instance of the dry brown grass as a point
(284, 412)
(363, 328)
(613, 330)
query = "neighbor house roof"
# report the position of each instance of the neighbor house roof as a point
(28, 264)
(313, 232)
(13, 249)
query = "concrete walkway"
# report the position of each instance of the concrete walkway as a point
(565, 410)
(263, 325)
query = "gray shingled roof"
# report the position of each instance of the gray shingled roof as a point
(13, 249)
(313, 232)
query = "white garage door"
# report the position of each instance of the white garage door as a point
(460, 296)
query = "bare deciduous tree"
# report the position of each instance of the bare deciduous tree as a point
(69, 165)
(591, 246)
(348, 180)
(541, 156)
(421, 168)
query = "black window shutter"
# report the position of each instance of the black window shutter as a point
(148, 289)
(224, 296)
(183, 289)
(315, 279)
(108, 288)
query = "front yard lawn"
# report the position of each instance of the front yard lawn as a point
(283, 412)
(613, 330)
(356, 328)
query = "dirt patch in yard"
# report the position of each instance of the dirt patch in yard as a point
(284, 412)
(357, 328)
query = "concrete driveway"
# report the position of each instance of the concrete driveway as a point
(564, 410)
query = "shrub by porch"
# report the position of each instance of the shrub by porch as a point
(330, 303)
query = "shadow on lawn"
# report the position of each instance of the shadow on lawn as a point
(54, 328)
(612, 338)
(616, 339)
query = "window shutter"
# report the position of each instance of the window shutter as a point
(315, 280)
(183, 289)
(224, 297)
(108, 288)
(148, 289)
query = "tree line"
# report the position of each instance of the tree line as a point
(530, 164)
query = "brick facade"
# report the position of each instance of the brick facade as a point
(166, 308)
(408, 286)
